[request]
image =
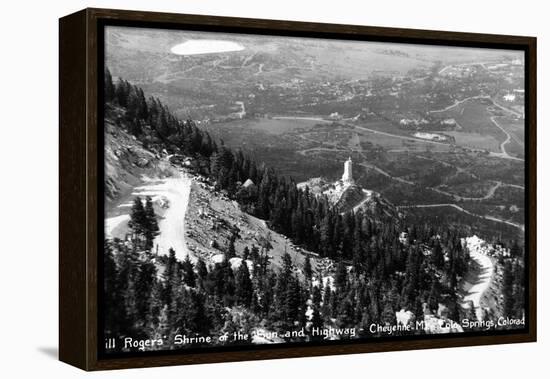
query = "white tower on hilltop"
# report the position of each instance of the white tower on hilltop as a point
(347, 178)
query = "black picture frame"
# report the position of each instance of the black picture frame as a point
(81, 185)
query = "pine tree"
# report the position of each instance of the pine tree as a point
(132, 110)
(326, 309)
(156, 306)
(508, 290)
(326, 237)
(316, 318)
(114, 315)
(191, 316)
(143, 111)
(388, 314)
(341, 277)
(138, 221)
(346, 313)
(357, 249)
(519, 290)
(145, 282)
(283, 290)
(411, 287)
(437, 256)
(189, 277)
(292, 302)
(109, 88)
(243, 286)
(307, 269)
(151, 227)
(255, 254)
(121, 93)
(128, 268)
(246, 253)
(170, 278)
(202, 270)
(433, 297)
(515, 250)
(136, 128)
(230, 251)
(224, 282)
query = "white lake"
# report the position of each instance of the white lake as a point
(206, 46)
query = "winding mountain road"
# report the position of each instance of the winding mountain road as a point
(175, 192)
(505, 142)
(171, 195)
(458, 102)
(459, 208)
(490, 193)
(479, 276)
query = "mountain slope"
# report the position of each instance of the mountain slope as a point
(212, 219)
(127, 161)
(192, 214)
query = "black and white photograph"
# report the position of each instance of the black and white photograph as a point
(286, 190)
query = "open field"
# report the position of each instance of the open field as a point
(476, 141)
(474, 117)
(404, 142)
(516, 130)
(271, 125)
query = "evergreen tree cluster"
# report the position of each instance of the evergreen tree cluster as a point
(143, 223)
(149, 296)
(513, 283)
(152, 122)
(378, 271)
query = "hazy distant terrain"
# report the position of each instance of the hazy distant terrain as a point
(428, 124)
(208, 84)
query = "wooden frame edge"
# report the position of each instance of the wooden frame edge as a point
(72, 196)
(531, 81)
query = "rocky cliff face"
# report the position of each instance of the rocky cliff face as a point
(127, 161)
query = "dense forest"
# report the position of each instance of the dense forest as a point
(381, 264)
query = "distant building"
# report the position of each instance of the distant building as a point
(407, 122)
(347, 178)
(335, 116)
(430, 136)
(509, 97)
(448, 122)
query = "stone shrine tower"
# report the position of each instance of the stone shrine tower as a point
(347, 178)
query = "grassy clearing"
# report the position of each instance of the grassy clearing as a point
(271, 126)
(399, 144)
(516, 129)
(476, 141)
(478, 131)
